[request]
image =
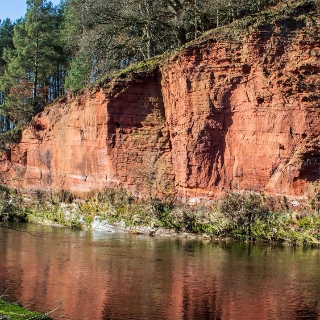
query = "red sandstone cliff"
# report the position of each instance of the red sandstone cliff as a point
(237, 109)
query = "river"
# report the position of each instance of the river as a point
(100, 275)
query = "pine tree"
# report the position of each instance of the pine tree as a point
(6, 42)
(33, 75)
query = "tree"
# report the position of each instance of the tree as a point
(6, 42)
(32, 76)
(110, 35)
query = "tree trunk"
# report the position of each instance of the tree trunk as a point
(148, 31)
(57, 93)
(7, 123)
(232, 11)
(36, 65)
(182, 39)
(149, 43)
(217, 20)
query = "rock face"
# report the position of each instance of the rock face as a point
(228, 112)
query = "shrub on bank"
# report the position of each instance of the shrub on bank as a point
(243, 210)
(241, 216)
(11, 206)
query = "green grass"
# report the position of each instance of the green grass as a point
(145, 66)
(11, 311)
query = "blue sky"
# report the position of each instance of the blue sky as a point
(15, 9)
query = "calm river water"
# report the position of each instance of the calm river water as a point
(98, 275)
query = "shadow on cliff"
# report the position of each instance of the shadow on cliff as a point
(212, 140)
(136, 136)
(127, 109)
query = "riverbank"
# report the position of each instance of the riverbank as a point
(15, 311)
(239, 216)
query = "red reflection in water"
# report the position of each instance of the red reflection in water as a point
(119, 276)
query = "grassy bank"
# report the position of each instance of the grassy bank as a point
(12, 311)
(239, 216)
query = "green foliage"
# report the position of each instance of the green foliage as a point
(241, 216)
(68, 217)
(33, 62)
(63, 196)
(184, 219)
(167, 219)
(243, 210)
(11, 206)
(82, 41)
(247, 217)
(11, 136)
(116, 197)
(145, 66)
(88, 219)
(195, 224)
(310, 222)
(77, 76)
(261, 223)
(11, 311)
(314, 197)
(108, 37)
(6, 40)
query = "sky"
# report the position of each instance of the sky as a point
(15, 9)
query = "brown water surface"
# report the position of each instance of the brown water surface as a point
(100, 275)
